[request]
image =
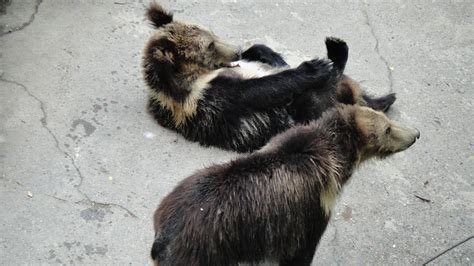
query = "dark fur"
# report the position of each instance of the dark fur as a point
(334, 47)
(158, 16)
(234, 112)
(262, 53)
(259, 103)
(265, 206)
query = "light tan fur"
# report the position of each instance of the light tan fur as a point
(186, 109)
(332, 187)
(383, 136)
(355, 88)
(201, 56)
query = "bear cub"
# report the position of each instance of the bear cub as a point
(197, 91)
(274, 204)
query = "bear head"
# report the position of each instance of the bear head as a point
(184, 47)
(380, 136)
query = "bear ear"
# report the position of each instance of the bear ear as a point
(163, 50)
(158, 16)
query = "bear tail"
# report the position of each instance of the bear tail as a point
(158, 15)
(338, 52)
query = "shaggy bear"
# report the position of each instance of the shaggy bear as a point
(196, 91)
(274, 204)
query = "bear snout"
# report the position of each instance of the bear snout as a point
(417, 134)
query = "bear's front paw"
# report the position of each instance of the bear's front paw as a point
(315, 66)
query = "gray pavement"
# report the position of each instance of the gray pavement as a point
(83, 166)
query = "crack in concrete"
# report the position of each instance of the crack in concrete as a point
(86, 201)
(89, 201)
(44, 124)
(12, 181)
(26, 24)
(376, 48)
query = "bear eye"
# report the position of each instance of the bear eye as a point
(388, 130)
(211, 46)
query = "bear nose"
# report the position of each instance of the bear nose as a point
(417, 133)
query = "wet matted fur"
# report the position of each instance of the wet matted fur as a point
(274, 204)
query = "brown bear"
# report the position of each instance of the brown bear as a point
(197, 91)
(274, 204)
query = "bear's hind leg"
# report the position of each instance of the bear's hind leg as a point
(349, 92)
(381, 103)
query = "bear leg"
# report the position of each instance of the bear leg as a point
(303, 257)
(338, 52)
(264, 54)
(380, 104)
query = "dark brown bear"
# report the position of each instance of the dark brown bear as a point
(272, 205)
(195, 91)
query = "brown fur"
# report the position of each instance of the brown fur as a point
(349, 92)
(273, 204)
(187, 108)
(185, 47)
(195, 91)
(383, 136)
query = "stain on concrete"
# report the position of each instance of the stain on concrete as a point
(97, 108)
(103, 170)
(97, 250)
(3, 6)
(88, 127)
(52, 254)
(69, 245)
(346, 214)
(71, 136)
(97, 122)
(93, 214)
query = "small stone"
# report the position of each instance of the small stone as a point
(149, 135)
(201, 209)
(29, 194)
(111, 178)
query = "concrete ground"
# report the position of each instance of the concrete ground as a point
(83, 166)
